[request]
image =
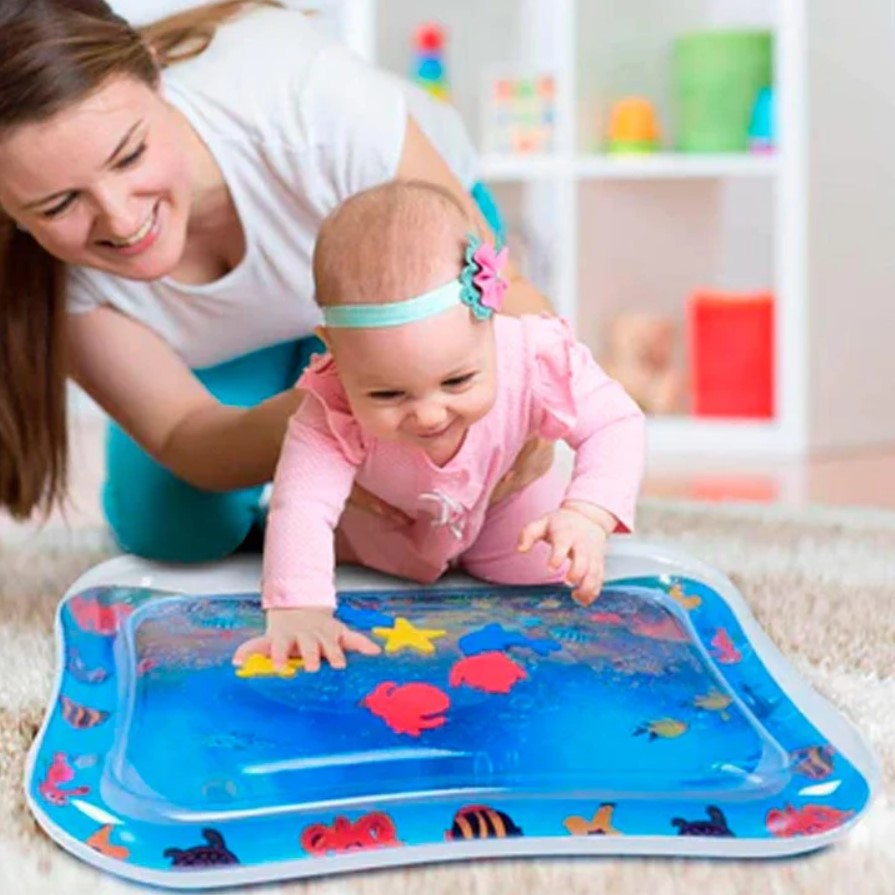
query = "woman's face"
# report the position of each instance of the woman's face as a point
(104, 183)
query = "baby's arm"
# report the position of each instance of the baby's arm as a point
(310, 634)
(576, 534)
(609, 440)
(313, 479)
(608, 434)
(605, 427)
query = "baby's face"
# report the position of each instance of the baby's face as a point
(424, 383)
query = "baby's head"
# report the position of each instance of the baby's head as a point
(416, 360)
(388, 244)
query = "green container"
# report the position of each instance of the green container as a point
(717, 77)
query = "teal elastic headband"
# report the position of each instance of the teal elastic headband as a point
(480, 287)
(395, 313)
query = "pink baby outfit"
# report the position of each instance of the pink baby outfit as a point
(548, 385)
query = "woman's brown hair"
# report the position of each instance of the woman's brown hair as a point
(54, 53)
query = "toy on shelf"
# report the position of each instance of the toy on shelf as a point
(640, 355)
(716, 76)
(762, 130)
(633, 127)
(732, 354)
(520, 114)
(428, 66)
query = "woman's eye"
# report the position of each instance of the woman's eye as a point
(58, 209)
(131, 159)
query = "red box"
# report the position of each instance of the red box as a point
(731, 339)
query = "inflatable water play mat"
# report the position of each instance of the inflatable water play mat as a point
(496, 721)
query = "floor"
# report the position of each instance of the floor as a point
(859, 478)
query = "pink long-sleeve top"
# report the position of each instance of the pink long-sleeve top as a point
(548, 385)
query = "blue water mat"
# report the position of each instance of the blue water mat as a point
(497, 721)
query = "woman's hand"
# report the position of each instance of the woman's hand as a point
(361, 499)
(534, 460)
(307, 634)
(577, 534)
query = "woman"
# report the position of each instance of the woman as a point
(160, 194)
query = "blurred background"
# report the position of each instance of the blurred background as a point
(704, 188)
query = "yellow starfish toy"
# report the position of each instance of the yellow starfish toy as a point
(405, 636)
(259, 665)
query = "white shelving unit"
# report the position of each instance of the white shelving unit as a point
(812, 223)
(660, 166)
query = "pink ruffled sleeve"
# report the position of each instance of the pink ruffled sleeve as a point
(321, 453)
(576, 402)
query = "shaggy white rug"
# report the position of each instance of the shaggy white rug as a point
(821, 583)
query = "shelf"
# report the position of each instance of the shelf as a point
(695, 436)
(606, 234)
(497, 167)
(660, 166)
(672, 165)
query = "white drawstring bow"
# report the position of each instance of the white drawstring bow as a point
(451, 513)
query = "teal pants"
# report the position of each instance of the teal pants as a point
(154, 514)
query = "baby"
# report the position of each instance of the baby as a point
(425, 399)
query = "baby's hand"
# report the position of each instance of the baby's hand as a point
(576, 533)
(307, 634)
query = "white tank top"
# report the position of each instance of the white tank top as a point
(297, 124)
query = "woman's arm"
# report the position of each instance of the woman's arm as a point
(421, 161)
(147, 388)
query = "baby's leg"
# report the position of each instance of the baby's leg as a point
(495, 556)
(391, 547)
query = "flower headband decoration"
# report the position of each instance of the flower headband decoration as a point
(483, 284)
(480, 287)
